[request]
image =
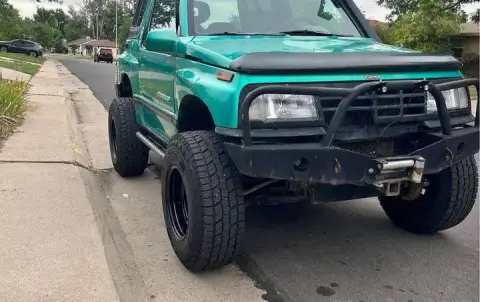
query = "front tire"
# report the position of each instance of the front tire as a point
(129, 155)
(203, 202)
(447, 201)
(32, 54)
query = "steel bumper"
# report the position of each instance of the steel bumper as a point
(324, 163)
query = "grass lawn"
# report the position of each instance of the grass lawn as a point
(21, 66)
(21, 57)
(12, 106)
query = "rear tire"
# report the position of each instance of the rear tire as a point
(447, 201)
(129, 155)
(3, 49)
(203, 201)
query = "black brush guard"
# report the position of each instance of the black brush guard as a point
(322, 162)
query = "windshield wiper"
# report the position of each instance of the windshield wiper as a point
(309, 32)
(231, 33)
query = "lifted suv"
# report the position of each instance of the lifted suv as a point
(279, 100)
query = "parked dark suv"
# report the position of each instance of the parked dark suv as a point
(103, 54)
(22, 46)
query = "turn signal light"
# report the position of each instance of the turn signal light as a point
(225, 76)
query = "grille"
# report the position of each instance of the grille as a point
(378, 108)
(371, 108)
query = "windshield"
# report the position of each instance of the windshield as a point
(270, 16)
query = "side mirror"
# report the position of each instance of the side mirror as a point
(161, 40)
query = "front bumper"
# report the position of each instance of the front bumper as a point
(324, 163)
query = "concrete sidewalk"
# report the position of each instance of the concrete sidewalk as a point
(51, 246)
(9, 74)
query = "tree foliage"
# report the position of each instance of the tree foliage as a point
(424, 25)
(402, 7)
(10, 21)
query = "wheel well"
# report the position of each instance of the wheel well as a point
(194, 115)
(126, 87)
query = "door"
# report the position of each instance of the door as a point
(156, 78)
(16, 46)
(28, 47)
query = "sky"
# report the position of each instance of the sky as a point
(27, 7)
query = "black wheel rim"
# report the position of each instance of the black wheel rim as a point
(177, 203)
(113, 141)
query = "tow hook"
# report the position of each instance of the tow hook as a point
(395, 172)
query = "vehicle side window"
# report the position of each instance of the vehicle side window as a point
(162, 16)
(139, 10)
(17, 42)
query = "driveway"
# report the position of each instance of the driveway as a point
(346, 251)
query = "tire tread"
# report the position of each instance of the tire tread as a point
(132, 154)
(221, 197)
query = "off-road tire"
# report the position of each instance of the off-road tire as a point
(447, 201)
(131, 155)
(216, 209)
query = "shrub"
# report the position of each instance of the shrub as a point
(12, 105)
(470, 65)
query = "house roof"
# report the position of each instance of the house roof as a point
(374, 22)
(78, 42)
(101, 43)
(469, 29)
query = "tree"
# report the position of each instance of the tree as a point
(108, 19)
(424, 25)
(11, 26)
(76, 26)
(401, 7)
(475, 17)
(43, 33)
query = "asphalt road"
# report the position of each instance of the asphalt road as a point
(100, 77)
(345, 251)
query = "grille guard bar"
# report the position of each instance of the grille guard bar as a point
(350, 94)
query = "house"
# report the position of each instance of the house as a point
(87, 46)
(93, 45)
(375, 23)
(466, 47)
(467, 40)
(77, 47)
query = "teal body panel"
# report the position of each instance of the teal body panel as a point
(223, 98)
(222, 50)
(164, 80)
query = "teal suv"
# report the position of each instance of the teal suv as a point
(286, 101)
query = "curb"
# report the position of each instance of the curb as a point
(79, 148)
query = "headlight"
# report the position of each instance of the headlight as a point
(455, 99)
(274, 107)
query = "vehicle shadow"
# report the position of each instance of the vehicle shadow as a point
(350, 251)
